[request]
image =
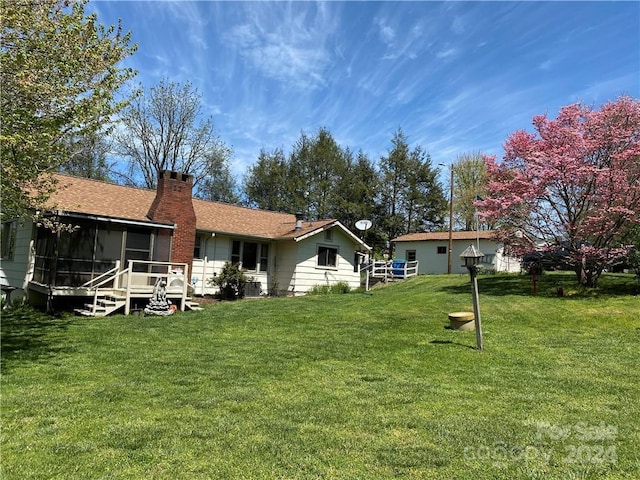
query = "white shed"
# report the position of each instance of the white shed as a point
(431, 251)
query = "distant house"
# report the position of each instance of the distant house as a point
(128, 237)
(431, 251)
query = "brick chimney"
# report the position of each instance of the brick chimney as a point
(173, 204)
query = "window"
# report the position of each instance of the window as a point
(327, 256)
(250, 255)
(328, 235)
(442, 250)
(488, 258)
(8, 239)
(264, 257)
(411, 255)
(197, 247)
(235, 251)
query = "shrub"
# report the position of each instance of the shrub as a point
(336, 288)
(231, 282)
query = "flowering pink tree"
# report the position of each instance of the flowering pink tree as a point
(574, 183)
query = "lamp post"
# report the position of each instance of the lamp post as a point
(450, 246)
(471, 257)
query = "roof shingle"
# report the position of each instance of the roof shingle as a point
(94, 197)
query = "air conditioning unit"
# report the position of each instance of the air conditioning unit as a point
(252, 289)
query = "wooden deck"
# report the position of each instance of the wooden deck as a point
(120, 289)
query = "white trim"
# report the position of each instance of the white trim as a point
(331, 225)
(117, 220)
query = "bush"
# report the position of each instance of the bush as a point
(231, 282)
(336, 288)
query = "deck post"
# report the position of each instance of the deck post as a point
(185, 287)
(116, 280)
(127, 305)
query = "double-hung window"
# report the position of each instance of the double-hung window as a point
(8, 239)
(251, 256)
(327, 256)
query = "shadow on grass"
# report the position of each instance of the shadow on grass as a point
(548, 285)
(449, 342)
(26, 336)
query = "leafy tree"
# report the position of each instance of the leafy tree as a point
(306, 182)
(316, 166)
(218, 184)
(411, 197)
(356, 196)
(88, 157)
(266, 183)
(163, 129)
(424, 202)
(575, 183)
(59, 78)
(470, 184)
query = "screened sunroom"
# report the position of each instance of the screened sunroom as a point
(73, 259)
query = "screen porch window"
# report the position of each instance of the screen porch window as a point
(327, 256)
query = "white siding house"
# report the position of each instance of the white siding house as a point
(431, 251)
(321, 254)
(16, 266)
(282, 254)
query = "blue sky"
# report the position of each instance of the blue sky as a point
(455, 76)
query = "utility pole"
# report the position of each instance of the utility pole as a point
(450, 246)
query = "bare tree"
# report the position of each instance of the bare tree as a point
(163, 129)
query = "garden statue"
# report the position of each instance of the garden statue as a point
(159, 304)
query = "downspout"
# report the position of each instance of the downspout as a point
(204, 268)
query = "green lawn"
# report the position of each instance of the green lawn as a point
(355, 386)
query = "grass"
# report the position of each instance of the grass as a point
(335, 386)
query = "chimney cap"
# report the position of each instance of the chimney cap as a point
(172, 174)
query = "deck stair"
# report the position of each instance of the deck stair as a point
(105, 304)
(108, 303)
(191, 305)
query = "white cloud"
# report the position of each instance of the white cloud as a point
(447, 52)
(291, 44)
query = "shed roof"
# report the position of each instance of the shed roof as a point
(439, 236)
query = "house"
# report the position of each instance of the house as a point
(431, 251)
(125, 238)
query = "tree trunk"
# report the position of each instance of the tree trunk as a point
(588, 277)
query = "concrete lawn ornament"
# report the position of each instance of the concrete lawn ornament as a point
(159, 303)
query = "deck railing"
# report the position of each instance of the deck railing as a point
(139, 278)
(389, 270)
(175, 274)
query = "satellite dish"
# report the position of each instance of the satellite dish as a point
(363, 225)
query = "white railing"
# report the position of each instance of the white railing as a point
(176, 277)
(134, 281)
(385, 269)
(90, 283)
(115, 279)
